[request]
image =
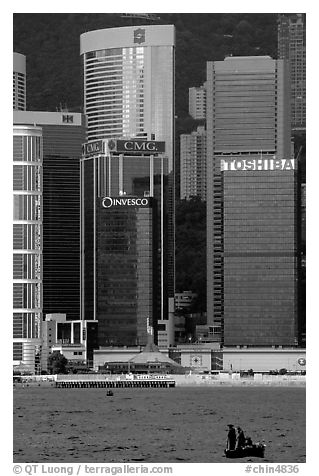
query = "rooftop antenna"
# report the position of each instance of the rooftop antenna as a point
(149, 17)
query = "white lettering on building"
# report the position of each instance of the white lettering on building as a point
(230, 164)
(131, 145)
(108, 202)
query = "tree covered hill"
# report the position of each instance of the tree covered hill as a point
(51, 43)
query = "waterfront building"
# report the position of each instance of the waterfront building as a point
(74, 339)
(292, 47)
(63, 134)
(193, 164)
(252, 260)
(197, 102)
(128, 94)
(27, 245)
(19, 82)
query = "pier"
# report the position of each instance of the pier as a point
(149, 383)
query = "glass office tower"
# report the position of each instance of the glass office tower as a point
(27, 244)
(251, 203)
(126, 265)
(129, 93)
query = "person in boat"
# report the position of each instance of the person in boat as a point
(231, 438)
(241, 440)
(249, 442)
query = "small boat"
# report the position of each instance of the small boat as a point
(109, 393)
(253, 450)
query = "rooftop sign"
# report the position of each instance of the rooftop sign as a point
(136, 146)
(231, 164)
(93, 148)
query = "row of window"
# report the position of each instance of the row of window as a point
(26, 325)
(27, 148)
(26, 266)
(27, 207)
(27, 178)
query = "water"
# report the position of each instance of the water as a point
(182, 424)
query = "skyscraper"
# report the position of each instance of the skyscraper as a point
(197, 102)
(19, 82)
(27, 244)
(129, 93)
(193, 164)
(63, 134)
(251, 203)
(292, 47)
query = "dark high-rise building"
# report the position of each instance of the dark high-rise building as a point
(292, 47)
(126, 295)
(63, 134)
(129, 93)
(251, 203)
(124, 242)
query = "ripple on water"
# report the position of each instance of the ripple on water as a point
(154, 425)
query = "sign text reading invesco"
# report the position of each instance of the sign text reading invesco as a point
(136, 145)
(108, 202)
(256, 164)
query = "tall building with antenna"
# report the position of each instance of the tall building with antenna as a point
(252, 260)
(128, 96)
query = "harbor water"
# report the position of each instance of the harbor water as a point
(181, 424)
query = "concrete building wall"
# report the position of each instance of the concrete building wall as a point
(19, 82)
(193, 164)
(197, 102)
(264, 360)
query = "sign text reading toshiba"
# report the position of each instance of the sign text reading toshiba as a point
(136, 145)
(256, 164)
(108, 202)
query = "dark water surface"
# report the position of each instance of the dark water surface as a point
(182, 424)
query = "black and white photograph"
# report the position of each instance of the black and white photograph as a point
(159, 240)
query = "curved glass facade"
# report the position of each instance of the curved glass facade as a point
(129, 93)
(27, 242)
(129, 86)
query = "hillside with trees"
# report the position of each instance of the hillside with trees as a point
(51, 43)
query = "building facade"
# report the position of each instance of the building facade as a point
(197, 102)
(292, 47)
(193, 164)
(19, 82)
(74, 339)
(129, 93)
(251, 203)
(124, 242)
(125, 267)
(27, 244)
(63, 135)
